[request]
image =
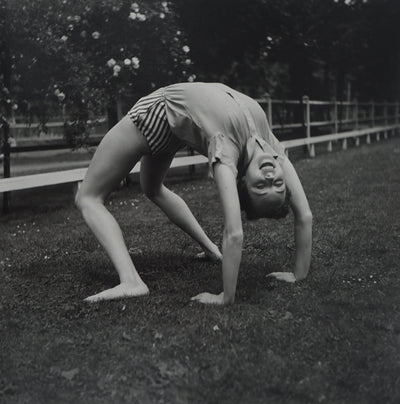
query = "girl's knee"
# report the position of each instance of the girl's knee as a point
(152, 192)
(79, 200)
(84, 200)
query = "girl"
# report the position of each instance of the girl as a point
(246, 161)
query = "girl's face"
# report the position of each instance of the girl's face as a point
(264, 180)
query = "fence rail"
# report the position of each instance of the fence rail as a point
(335, 116)
(318, 122)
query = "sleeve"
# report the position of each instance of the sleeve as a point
(222, 149)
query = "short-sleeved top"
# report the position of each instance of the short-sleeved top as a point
(218, 122)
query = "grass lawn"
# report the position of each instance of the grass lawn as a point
(333, 338)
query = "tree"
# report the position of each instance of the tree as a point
(91, 55)
(87, 55)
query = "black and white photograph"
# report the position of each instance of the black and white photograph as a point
(199, 201)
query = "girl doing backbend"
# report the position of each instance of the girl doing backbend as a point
(246, 161)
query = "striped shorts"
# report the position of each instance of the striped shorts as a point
(148, 114)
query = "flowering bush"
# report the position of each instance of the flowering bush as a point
(84, 55)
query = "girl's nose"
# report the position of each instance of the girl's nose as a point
(269, 175)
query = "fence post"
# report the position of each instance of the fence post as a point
(335, 116)
(372, 118)
(356, 114)
(385, 116)
(335, 123)
(6, 159)
(307, 123)
(372, 113)
(357, 123)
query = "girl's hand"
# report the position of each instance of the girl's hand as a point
(283, 276)
(209, 298)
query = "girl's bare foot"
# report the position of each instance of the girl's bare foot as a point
(213, 255)
(120, 291)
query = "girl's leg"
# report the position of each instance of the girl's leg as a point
(121, 148)
(152, 173)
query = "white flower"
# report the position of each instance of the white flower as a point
(135, 62)
(164, 5)
(111, 63)
(141, 17)
(188, 61)
(127, 62)
(61, 97)
(57, 92)
(96, 35)
(132, 16)
(178, 33)
(64, 38)
(162, 16)
(186, 49)
(135, 7)
(14, 107)
(83, 34)
(117, 69)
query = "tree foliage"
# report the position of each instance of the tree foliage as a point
(314, 46)
(87, 54)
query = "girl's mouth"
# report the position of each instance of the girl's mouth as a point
(266, 164)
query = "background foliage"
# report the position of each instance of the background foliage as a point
(90, 56)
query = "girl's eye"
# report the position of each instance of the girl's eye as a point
(260, 185)
(278, 183)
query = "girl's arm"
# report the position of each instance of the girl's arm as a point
(302, 226)
(232, 238)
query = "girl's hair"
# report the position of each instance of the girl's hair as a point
(246, 205)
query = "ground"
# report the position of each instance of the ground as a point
(333, 338)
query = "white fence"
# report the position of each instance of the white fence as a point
(336, 116)
(364, 119)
